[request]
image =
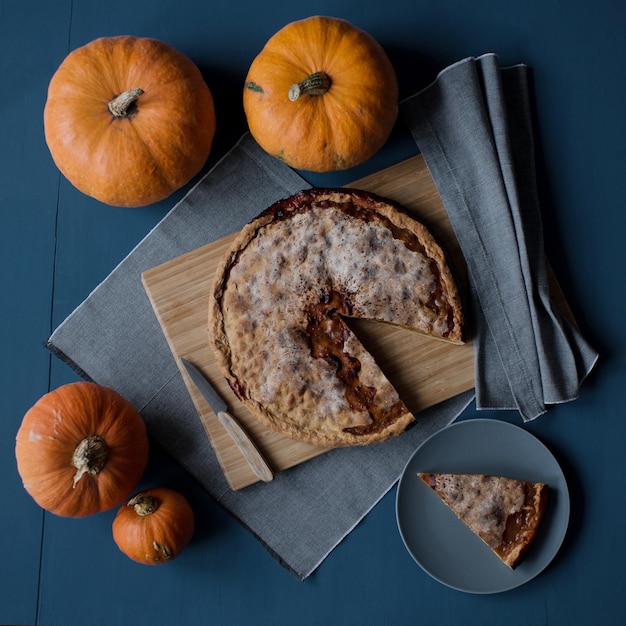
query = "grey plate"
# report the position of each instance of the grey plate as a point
(442, 545)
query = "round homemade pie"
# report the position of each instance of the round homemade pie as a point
(282, 294)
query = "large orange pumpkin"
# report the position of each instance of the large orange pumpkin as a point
(81, 449)
(154, 526)
(129, 120)
(322, 95)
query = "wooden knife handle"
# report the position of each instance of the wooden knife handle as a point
(246, 446)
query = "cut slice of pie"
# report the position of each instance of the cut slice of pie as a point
(505, 513)
(281, 296)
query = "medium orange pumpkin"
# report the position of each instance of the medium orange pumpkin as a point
(128, 120)
(81, 449)
(154, 526)
(322, 95)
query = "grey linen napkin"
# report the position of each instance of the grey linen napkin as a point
(473, 127)
(114, 338)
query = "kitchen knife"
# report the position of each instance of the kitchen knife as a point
(218, 406)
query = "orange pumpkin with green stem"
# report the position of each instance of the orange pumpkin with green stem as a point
(129, 120)
(154, 526)
(322, 95)
(81, 449)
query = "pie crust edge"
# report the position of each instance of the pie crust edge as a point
(535, 505)
(219, 340)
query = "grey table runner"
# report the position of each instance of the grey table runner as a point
(113, 337)
(473, 126)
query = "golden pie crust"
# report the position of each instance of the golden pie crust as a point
(505, 513)
(282, 293)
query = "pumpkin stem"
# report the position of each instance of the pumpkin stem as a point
(122, 105)
(316, 84)
(144, 504)
(89, 457)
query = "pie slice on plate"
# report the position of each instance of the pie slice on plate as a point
(505, 513)
(282, 294)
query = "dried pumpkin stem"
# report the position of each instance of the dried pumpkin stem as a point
(316, 84)
(122, 105)
(89, 457)
(144, 504)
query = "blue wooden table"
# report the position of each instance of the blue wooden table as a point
(57, 245)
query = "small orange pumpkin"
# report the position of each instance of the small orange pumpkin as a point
(128, 120)
(81, 449)
(322, 95)
(154, 526)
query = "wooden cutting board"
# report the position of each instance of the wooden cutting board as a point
(424, 371)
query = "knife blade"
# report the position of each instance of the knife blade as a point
(250, 452)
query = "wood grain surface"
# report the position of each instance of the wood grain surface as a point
(424, 371)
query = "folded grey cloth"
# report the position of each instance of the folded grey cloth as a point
(114, 338)
(473, 127)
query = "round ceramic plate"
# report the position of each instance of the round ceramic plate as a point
(444, 546)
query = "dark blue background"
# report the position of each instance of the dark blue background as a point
(57, 245)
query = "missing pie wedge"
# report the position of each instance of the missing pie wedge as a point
(505, 513)
(281, 296)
